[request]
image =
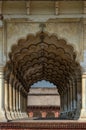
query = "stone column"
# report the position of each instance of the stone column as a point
(62, 106)
(65, 100)
(74, 94)
(70, 95)
(18, 101)
(16, 94)
(2, 110)
(61, 102)
(24, 112)
(79, 91)
(10, 113)
(10, 99)
(7, 100)
(83, 109)
(21, 103)
(69, 98)
(19, 107)
(71, 101)
(25, 105)
(6, 97)
(14, 101)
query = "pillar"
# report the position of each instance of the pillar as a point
(6, 95)
(18, 111)
(65, 97)
(80, 91)
(16, 94)
(74, 94)
(61, 102)
(83, 107)
(2, 110)
(10, 100)
(6, 98)
(19, 105)
(14, 101)
(69, 99)
(20, 102)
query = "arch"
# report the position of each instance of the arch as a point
(44, 57)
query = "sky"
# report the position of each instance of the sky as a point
(43, 84)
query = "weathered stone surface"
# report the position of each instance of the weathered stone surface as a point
(57, 60)
(72, 32)
(43, 97)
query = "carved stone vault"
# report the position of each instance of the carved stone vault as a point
(45, 57)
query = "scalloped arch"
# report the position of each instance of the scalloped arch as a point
(41, 57)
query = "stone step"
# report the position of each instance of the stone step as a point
(43, 125)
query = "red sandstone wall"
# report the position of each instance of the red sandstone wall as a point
(43, 125)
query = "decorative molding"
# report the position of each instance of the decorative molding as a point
(55, 108)
(47, 94)
(45, 18)
(84, 11)
(57, 7)
(28, 7)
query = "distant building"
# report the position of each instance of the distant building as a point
(43, 103)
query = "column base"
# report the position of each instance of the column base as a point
(8, 115)
(24, 115)
(2, 116)
(69, 115)
(20, 115)
(16, 115)
(82, 116)
(12, 115)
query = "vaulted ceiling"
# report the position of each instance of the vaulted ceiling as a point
(42, 57)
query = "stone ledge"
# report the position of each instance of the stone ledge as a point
(44, 125)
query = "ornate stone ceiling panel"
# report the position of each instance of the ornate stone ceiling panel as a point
(42, 57)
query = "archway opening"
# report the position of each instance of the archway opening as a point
(44, 57)
(43, 101)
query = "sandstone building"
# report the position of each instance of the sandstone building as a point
(43, 103)
(42, 40)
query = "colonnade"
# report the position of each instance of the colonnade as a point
(71, 100)
(13, 99)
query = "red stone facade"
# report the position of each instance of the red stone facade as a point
(43, 126)
(43, 111)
